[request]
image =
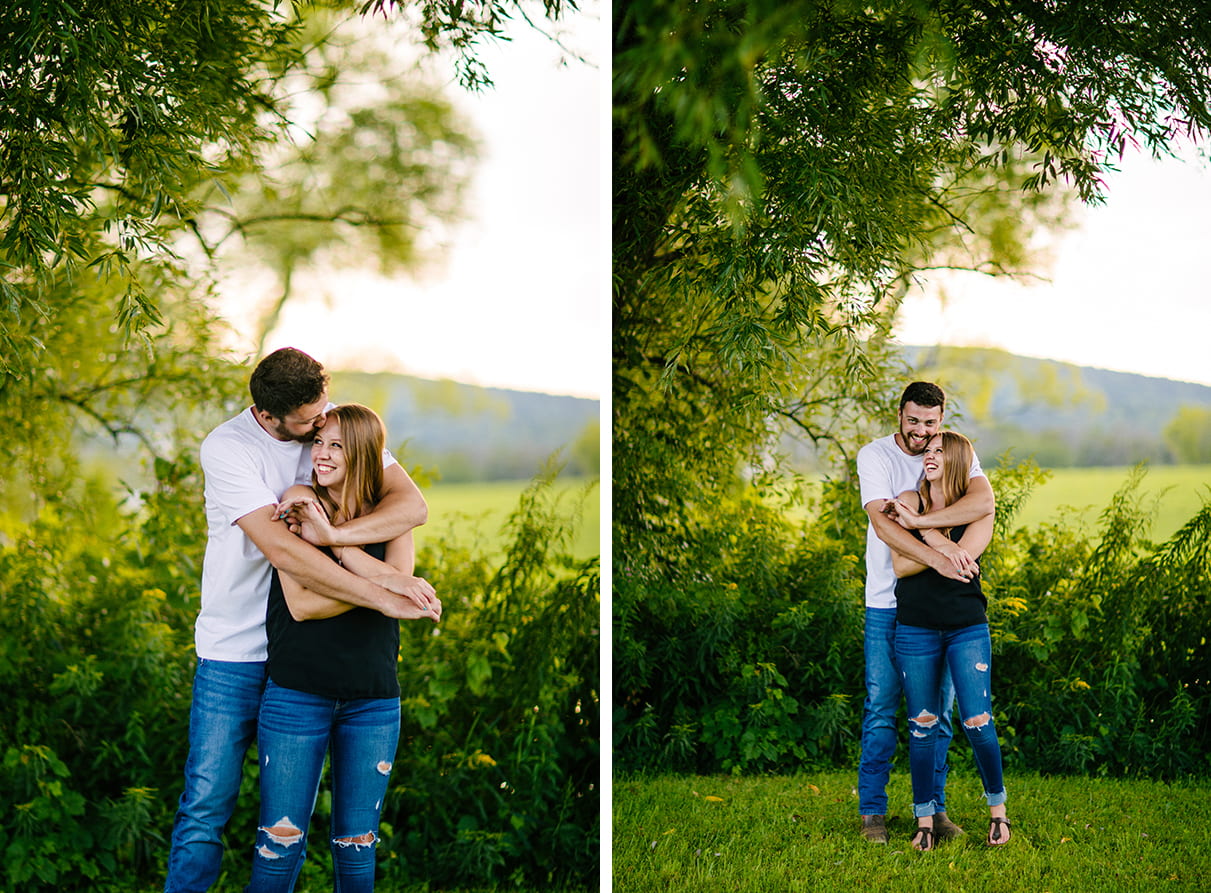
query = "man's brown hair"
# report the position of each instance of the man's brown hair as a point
(285, 380)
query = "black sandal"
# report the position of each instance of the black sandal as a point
(927, 839)
(994, 831)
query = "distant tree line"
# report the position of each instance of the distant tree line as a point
(1059, 414)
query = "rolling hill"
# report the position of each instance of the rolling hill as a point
(1063, 414)
(466, 432)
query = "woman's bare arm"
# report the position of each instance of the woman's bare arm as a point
(394, 574)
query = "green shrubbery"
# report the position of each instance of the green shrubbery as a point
(745, 654)
(729, 669)
(1101, 646)
(496, 778)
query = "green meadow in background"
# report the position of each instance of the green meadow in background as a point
(485, 507)
(1176, 492)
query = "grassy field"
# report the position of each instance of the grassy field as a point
(1082, 493)
(791, 834)
(480, 510)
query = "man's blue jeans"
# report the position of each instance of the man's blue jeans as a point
(879, 731)
(924, 655)
(296, 731)
(222, 723)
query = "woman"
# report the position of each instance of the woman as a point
(942, 623)
(332, 674)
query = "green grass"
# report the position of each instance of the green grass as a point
(1081, 494)
(789, 834)
(478, 511)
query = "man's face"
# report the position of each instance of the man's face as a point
(302, 423)
(917, 425)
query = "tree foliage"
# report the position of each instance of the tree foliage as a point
(111, 116)
(465, 27)
(370, 170)
(87, 393)
(1188, 436)
(126, 121)
(781, 170)
(182, 153)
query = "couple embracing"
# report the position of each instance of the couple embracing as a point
(307, 573)
(931, 511)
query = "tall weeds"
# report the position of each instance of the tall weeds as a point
(496, 778)
(746, 656)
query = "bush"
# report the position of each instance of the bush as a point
(747, 657)
(1100, 648)
(745, 654)
(94, 664)
(496, 779)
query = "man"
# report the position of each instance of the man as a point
(248, 462)
(886, 468)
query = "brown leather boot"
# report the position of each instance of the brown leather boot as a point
(944, 828)
(874, 828)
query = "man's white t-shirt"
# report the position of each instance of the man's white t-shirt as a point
(884, 472)
(245, 469)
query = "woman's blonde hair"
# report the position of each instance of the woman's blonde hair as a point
(957, 456)
(363, 438)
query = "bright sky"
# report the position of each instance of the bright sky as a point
(1129, 289)
(519, 301)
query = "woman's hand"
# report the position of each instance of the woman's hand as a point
(960, 559)
(417, 590)
(904, 514)
(307, 518)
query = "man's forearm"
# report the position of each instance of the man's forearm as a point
(401, 509)
(976, 504)
(317, 572)
(902, 541)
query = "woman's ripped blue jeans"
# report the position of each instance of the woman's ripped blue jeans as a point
(923, 655)
(296, 731)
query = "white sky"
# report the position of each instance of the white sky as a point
(519, 301)
(1129, 289)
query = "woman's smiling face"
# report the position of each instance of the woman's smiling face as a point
(932, 459)
(328, 455)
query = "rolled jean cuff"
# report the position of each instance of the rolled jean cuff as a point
(995, 799)
(921, 810)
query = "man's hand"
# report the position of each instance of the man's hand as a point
(405, 609)
(415, 591)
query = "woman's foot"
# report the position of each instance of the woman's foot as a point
(922, 840)
(998, 831)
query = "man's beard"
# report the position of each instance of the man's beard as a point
(285, 434)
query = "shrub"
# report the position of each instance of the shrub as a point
(744, 657)
(97, 708)
(497, 775)
(1101, 654)
(745, 653)
(496, 780)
